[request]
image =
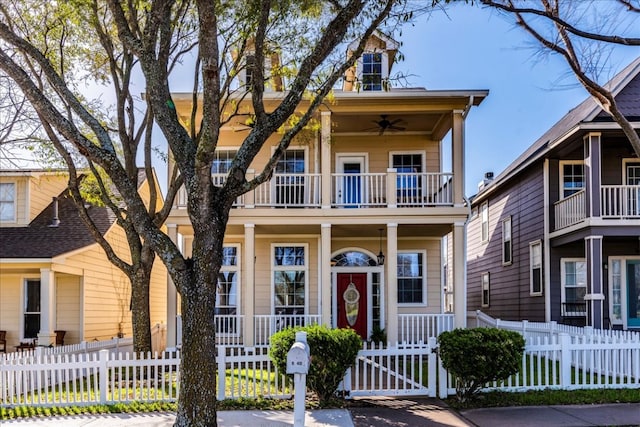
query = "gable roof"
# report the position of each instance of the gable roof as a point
(39, 240)
(625, 87)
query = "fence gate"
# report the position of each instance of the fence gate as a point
(394, 371)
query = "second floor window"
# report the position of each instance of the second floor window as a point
(572, 178)
(506, 241)
(411, 278)
(409, 167)
(222, 161)
(7, 201)
(372, 71)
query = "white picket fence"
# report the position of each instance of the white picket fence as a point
(547, 329)
(558, 362)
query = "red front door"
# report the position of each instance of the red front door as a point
(352, 302)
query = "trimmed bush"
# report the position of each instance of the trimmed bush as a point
(478, 356)
(333, 351)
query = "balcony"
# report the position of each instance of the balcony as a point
(616, 202)
(363, 190)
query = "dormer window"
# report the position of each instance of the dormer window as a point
(372, 71)
(373, 68)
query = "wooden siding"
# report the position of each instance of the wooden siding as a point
(10, 308)
(42, 190)
(68, 307)
(510, 297)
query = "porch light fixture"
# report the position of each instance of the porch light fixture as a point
(380, 254)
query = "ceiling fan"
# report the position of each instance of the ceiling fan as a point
(385, 124)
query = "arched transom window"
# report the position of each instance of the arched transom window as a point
(353, 259)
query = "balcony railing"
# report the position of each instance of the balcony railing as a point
(621, 201)
(363, 190)
(570, 210)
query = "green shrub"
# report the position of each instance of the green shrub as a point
(478, 356)
(333, 351)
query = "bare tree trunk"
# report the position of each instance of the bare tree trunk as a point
(140, 311)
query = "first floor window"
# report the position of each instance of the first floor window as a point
(289, 279)
(535, 268)
(411, 278)
(7, 201)
(484, 280)
(227, 289)
(574, 286)
(31, 308)
(506, 241)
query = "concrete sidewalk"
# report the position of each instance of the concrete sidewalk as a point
(387, 412)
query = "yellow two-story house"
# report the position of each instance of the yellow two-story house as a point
(53, 275)
(349, 230)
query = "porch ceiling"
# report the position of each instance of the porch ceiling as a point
(428, 123)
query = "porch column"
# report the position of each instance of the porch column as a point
(595, 295)
(249, 291)
(325, 279)
(459, 277)
(172, 296)
(392, 282)
(325, 159)
(46, 336)
(592, 173)
(457, 155)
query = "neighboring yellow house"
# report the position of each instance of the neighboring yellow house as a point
(349, 230)
(53, 276)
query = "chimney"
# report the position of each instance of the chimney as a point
(55, 221)
(488, 177)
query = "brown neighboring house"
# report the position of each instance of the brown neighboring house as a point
(556, 236)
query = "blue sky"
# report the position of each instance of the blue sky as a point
(476, 48)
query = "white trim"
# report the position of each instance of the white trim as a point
(304, 268)
(542, 285)
(561, 165)
(425, 298)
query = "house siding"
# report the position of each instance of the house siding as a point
(68, 304)
(10, 306)
(509, 284)
(42, 190)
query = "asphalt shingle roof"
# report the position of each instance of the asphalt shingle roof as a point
(39, 240)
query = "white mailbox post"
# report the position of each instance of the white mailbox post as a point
(298, 360)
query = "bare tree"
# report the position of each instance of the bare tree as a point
(309, 35)
(563, 27)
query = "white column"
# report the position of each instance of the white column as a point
(457, 153)
(325, 279)
(46, 336)
(325, 159)
(249, 282)
(459, 277)
(392, 282)
(172, 295)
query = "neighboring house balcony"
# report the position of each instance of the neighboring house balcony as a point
(617, 202)
(364, 190)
